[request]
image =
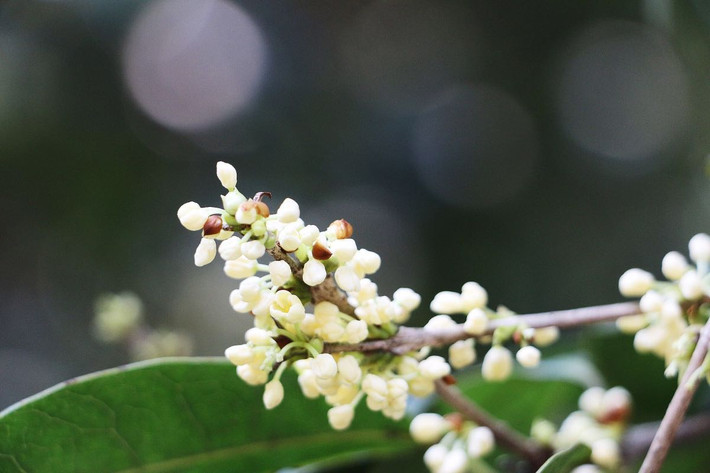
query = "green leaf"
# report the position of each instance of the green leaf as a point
(566, 460)
(520, 401)
(180, 415)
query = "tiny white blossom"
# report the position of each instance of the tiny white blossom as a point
(259, 337)
(231, 201)
(671, 309)
(606, 453)
(253, 249)
(240, 268)
(192, 216)
(699, 247)
(434, 367)
(528, 356)
(287, 307)
(250, 289)
(473, 296)
(616, 399)
(462, 353)
(480, 442)
(230, 249)
(313, 272)
(446, 302)
(455, 461)
(691, 285)
(289, 238)
(307, 382)
(366, 262)
(592, 401)
(476, 322)
(324, 366)
(635, 282)
(239, 354)
(246, 213)
(407, 298)
(497, 364)
(251, 375)
(205, 252)
(349, 369)
(631, 324)
(545, 336)
(428, 428)
(288, 211)
(280, 273)
(440, 322)
(434, 456)
(273, 394)
(343, 250)
(587, 468)
(347, 279)
(309, 234)
(227, 175)
(356, 331)
(650, 302)
(340, 417)
(674, 265)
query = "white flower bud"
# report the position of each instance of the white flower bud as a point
(421, 386)
(313, 272)
(289, 239)
(349, 369)
(543, 431)
(446, 302)
(239, 304)
(251, 375)
(280, 273)
(287, 307)
(340, 417)
(476, 322)
(650, 302)
(288, 211)
(434, 456)
(587, 468)
(428, 428)
(356, 331)
(343, 250)
(373, 384)
(307, 382)
(246, 213)
(434, 367)
(671, 309)
(649, 339)
(367, 262)
(250, 289)
(691, 285)
(497, 364)
(616, 400)
(455, 461)
(230, 249)
(273, 394)
(309, 234)
(606, 453)
(592, 401)
(227, 175)
(480, 442)
(545, 336)
(473, 296)
(462, 353)
(407, 298)
(192, 216)
(631, 324)
(440, 322)
(635, 282)
(205, 252)
(674, 265)
(528, 356)
(259, 337)
(231, 202)
(699, 247)
(253, 249)
(347, 279)
(324, 366)
(239, 354)
(240, 268)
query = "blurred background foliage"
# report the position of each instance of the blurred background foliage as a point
(539, 148)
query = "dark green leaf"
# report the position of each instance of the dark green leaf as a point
(180, 415)
(566, 460)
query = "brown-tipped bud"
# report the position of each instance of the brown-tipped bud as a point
(449, 380)
(456, 420)
(262, 209)
(517, 337)
(619, 414)
(212, 226)
(320, 252)
(341, 228)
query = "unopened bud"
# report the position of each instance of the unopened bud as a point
(341, 229)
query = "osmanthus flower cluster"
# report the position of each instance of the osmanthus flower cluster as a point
(599, 423)
(298, 306)
(498, 361)
(454, 442)
(674, 311)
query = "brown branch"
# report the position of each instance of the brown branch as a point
(676, 409)
(529, 449)
(411, 339)
(638, 438)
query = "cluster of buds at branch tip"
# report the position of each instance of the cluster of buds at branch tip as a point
(673, 311)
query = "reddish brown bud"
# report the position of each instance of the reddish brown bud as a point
(615, 415)
(517, 337)
(456, 420)
(342, 229)
(449, 380)
(320, 252)
(212, 226)
(262, 209)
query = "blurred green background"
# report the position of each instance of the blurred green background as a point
(540, 148)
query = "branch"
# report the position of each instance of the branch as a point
(411, 339)
(679, 404)
(638, 438)
(535, 453)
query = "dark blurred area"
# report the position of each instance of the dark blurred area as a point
(538, 148)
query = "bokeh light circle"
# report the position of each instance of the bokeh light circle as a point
(475, 146)
(622, 93)
(190, 64)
